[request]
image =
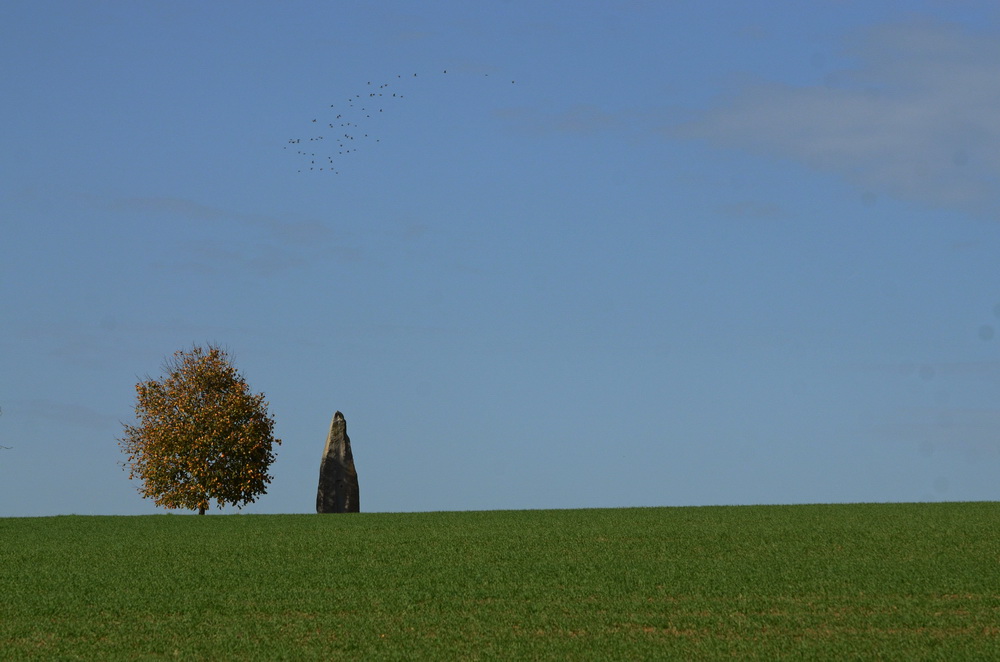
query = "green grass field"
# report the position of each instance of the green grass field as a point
(876, 581)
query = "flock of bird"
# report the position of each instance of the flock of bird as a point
(349, 127)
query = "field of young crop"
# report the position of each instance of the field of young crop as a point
(886, 581)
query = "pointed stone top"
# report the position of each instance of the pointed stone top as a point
(337, 416)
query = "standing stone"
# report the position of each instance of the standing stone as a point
(338, 479)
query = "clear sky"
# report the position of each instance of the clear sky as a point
(620, 254)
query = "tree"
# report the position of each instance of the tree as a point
(201, 434)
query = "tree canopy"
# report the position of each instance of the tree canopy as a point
(201, 434)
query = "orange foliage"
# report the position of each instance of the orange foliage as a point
(201, 434)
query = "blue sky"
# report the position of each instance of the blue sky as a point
(620, 254)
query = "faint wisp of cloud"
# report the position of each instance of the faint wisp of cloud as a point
(753, 210)
(279, 245)
(970, 431)
(983, 370)
(578, 119)
(64, 413)
(941, 425)
(301, 232)
(917, 119)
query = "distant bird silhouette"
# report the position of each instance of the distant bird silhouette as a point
(359, 122)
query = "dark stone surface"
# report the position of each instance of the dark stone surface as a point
(338, 479)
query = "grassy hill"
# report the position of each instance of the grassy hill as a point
(887, 581)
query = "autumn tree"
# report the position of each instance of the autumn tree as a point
(201, 434)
